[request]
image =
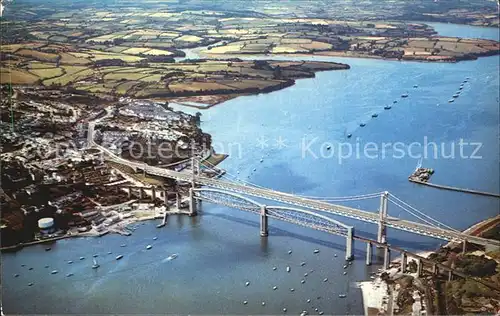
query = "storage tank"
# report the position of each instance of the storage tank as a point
(46, 224)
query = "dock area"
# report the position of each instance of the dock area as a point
(423, 175)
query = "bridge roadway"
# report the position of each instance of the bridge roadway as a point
(413, 227)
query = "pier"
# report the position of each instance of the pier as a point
(451, 188)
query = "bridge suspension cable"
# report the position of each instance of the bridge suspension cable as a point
(422, 213)
(412, 213)
(319, 198)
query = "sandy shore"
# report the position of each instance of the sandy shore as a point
(373, 295)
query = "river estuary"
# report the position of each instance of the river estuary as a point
(220, 250)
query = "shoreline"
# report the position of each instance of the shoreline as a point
(372, 291)
(119, 229)
(344, 54)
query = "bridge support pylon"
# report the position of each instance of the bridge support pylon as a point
(348, 246)
(140, 194)
(382, 229)
(165, 199)
(264, 229)
(387, 257)
(404, 261)
(153, 194)
(420, 267)
(435, 269)
(368, 253)
(192, 203)
(129, 192)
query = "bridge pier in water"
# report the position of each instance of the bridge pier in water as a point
(264, 228)
(387, 257)
(192, 203)
(178, 200)
(349, 241)
(382, 229)
(368, 253)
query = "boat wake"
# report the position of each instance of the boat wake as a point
(169, 258)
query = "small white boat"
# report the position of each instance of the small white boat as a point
(289, 252)
(335, 255)
(302, 264)
(95, 256)
(123, 245)
(345, 266)
(149, 247)
(16, 275)
(70, 262)
(404, 95)
(325, 280)
(303, 281)
(288, 269)
(30, 284)
(261, 160)
(247, 283)
(342, 295)
(245, 302)
(172, 257)
(254, 169)
(292, 289)
(328, 147)
(95, 265)
(275, 288)
(274, 268)
(345, 272)
(81, 258)
(69, 274)
(451, 100)
(308, 300)
(305, 274)
(119, 257)
(316, 251)
(154, 238)
(109, 252)
(54, 272)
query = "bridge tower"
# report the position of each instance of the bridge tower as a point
(264, 228)
(382, 229)
(192, 200)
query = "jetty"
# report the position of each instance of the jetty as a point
(423, 175)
